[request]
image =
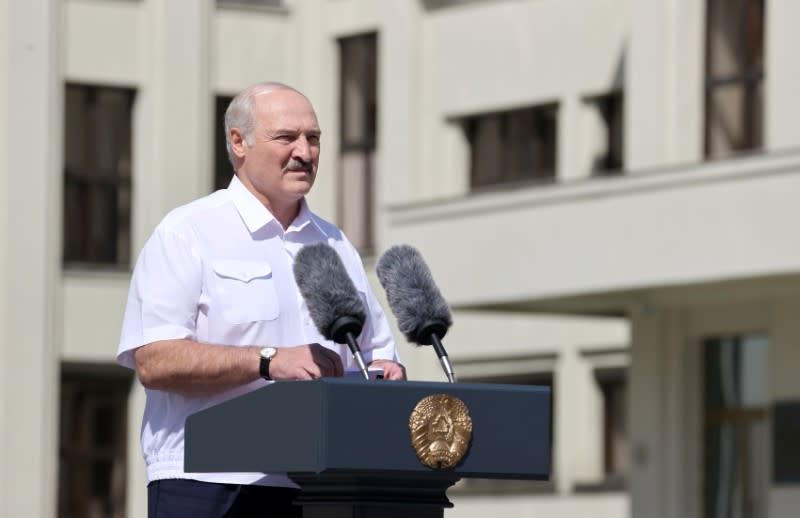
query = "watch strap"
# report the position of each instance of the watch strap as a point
(263, 367)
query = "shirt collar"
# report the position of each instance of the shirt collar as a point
(255, 215)
(303, 218)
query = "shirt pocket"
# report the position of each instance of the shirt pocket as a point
(246, 290)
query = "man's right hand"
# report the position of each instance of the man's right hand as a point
(305, 362)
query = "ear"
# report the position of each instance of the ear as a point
(238, 143)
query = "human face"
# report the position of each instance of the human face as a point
(279, 164)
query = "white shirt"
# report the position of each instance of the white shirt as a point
(219, 271)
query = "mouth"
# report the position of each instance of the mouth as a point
(296, 166)
(299, 171)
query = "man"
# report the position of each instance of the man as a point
(214, 311)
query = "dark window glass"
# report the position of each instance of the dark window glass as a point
(359, 120)
(736, 426)
(734, 76)
(93, 441)
(97, 175)
(223, 170)
(614, 387)
(512, 146)
(609, 158)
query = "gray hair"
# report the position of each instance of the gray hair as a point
(241, 113)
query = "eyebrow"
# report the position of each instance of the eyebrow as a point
(315, 131)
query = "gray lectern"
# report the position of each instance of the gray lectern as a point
(347, 443)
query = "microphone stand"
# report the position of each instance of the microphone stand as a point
(353, 345)
(443, 359)
(434, 330)
(344, 331)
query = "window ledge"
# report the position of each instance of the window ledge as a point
(608, 485)
(481, 486)
(245, 6)
(76, 269)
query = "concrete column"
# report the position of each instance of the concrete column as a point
(784, 500)
(679, 407)
(664, 84)
(781, 75)
(568, 163)
(31, 91)
(313, 68)
(179, 108)
(398, 45)
(136, 489)
(646, 416)
(646, 92)
(577, 455)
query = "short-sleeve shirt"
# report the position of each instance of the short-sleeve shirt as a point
(219, 271)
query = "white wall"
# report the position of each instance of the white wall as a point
(248, 46)
(664, 84)
(30, 192)
(695, 224)
(492, 56)
(103, 42)
(782, 76)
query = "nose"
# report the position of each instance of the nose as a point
(302, 149)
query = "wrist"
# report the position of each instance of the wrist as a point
(265, 357)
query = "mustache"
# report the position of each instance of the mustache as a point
(295, 164)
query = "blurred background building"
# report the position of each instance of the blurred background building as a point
(607, 191)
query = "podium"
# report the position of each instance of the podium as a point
(347, 444)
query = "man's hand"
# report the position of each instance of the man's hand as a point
(391, 370)
(305, 362)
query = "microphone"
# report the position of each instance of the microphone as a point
(333, 301)
(422, 314)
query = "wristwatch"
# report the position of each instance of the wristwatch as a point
(267, 353)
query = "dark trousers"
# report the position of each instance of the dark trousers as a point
(174, 498)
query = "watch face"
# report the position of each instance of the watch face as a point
(268, 352)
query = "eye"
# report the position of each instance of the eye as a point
(313, 139)
(285, 137)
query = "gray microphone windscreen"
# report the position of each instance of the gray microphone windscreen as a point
(327, 288)
(417, 304)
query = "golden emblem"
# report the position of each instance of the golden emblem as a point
(441, 430)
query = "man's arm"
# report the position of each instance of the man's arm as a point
(195, 369)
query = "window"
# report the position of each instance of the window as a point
(359, 120)
(614, 388)
(734, 76)
(223, 170)
(512, 146)
(606, 134)
(97, 175)
(93, 441)
(736, 426)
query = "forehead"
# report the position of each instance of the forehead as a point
(284, 109)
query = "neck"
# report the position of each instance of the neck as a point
(283, 211)
(284, 214)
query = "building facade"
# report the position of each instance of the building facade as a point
(604, 191)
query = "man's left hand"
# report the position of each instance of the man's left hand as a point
(391, 370)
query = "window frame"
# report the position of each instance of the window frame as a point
(85, 181)
(90, 386)
(363, 147)
(542, 120)
(750, 79)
